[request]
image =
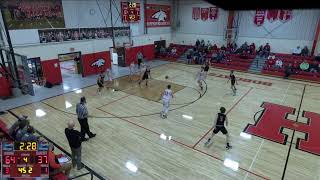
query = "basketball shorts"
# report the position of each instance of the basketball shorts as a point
(145, 77)
(100, 85)
(220, 128)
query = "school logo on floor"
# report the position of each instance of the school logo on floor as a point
(160, 16)
(98, 63)
(274, 119)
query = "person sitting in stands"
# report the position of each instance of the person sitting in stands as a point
(202, 43)
(266, 50)
(220, 56)
(29, 135)
(252, 48)
(173, 51)
(21, 122)
(288, 71)
(305, 51)
(278, 64)
(214, 47)
(304, 66)
(244, 54)
(296, 51)
(54, 166)
(271, 63)
(271, 56)
(162, 50)
(244, 46)
(209, 46)
(314, 67)
(23, 127)
(295, 67)
(197, 43)
(214, 56)
(223, 48)
(260, 50)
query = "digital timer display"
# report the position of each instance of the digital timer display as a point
(25, 159)
(130, 12)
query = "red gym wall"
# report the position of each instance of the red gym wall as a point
(51, 71)
(5, 89)
(147, 51)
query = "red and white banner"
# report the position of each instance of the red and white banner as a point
(204, 14)
(213, 14)
(259, 17)
(285, 14)
(157, 15)
(196, 13)
(272, 15)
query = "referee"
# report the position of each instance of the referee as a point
(82, 113)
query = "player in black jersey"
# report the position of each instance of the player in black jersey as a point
(146, 75)
(233, 82)
(100, 82)
(219, 126)
(206, 68)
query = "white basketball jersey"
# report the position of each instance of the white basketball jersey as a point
(200, 75)
(167, 95)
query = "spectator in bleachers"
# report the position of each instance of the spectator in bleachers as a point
(260, 50)
(314, 67)
(244, 46)
(214, 47)
(220, 56)
(29, 135)
(214, 56)
(271, 62)
(223, 48)
(266, 50)
(288, 71)
(162, 51)
(202, 43)
(296, 51)
(271, 56)
(305, 51)
(197, 43)
(54, 166)
(21, 131)
(279, 63)
(304, 66)
(209, 45)
(189, 58)
(173, 51)
(252, 48)
(295, 67)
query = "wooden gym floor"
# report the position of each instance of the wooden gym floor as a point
(130, 131)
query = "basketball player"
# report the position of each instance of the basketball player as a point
(146, 75)
(131, 70)
(109, 79)
(219, 126)
(100, 82)
(200, 77)
(206, 68)
(233, 82)
(167, 95)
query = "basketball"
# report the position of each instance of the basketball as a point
(167, 77)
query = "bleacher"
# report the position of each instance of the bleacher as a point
(181, 49)
(235, 62)
(288, 58)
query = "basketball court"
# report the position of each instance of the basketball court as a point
(133, 142)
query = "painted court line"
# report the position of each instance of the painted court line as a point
(226, 114)
(182, 144)
(114, 101)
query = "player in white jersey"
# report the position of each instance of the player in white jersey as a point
(200, 77)
(132, 70)
(109, 79)
(167, 95)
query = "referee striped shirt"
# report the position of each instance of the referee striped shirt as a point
(82, 111)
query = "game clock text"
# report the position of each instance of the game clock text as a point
(130, 12)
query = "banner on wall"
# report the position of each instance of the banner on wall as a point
(285, 14)
(204, 14)
(157, 15)
(35, 14)
(61, 35)
(259, 17)
(196, 13)
(272, 15)
(213, 14)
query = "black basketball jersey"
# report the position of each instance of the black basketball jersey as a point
(220, 119)
(233, 78)
(147, 72)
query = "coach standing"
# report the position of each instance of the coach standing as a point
(75, 139)
(82, 113)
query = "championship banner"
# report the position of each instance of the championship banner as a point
(259, 17)
(204, 14)
(272, 15)
(157, 15)
(213, 14)
(285, 14)
(196, 13)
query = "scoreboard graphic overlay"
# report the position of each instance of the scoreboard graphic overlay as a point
(24, 159)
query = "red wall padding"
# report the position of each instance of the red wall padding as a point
(5, 90)
(147, 51)
(51, 71)
(88, 59)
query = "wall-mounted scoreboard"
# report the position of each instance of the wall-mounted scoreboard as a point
(130, 12)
